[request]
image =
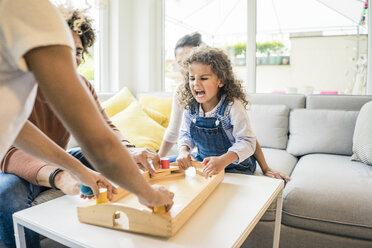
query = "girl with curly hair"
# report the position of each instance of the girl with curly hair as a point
(215, 117)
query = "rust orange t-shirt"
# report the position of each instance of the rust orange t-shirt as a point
(25, 166)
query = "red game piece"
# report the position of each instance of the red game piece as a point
(165, 163)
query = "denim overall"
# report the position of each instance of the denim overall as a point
(211, 139)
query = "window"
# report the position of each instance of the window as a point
(311, 46)
(302, 46)
(222, 24)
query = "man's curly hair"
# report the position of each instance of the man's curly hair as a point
(221, 66)
(80, 23)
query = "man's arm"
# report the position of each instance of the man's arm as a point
(31, 140)
(54, 69)
(21, 164)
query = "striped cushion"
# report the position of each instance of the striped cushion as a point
(362, 140)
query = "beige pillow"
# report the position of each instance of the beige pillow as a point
(362, 140)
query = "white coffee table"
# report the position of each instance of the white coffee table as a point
(225, 219)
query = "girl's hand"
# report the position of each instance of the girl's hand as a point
(276, 174)
(95, 181)
(184, 159)
(161, 197)
(213, 166)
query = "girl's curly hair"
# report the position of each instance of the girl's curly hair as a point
(79, 22)
(221, 66)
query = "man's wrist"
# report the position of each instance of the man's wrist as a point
(52, 178)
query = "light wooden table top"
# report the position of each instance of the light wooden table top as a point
(225, 219)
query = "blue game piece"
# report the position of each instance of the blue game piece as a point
(85, 190)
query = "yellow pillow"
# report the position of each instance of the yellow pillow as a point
(156, 116)
(118, 102)
(160, 104)
(138, 127)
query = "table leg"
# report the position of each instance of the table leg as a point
(19, 234)
(278, 219)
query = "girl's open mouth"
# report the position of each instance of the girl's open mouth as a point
(199, 93)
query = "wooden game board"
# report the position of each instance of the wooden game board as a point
(124, 212)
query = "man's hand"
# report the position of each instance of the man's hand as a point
(67, 183)
(142, 156)
(70, 185)
(161, 197)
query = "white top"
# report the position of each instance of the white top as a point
(24, 25)
(238, 129)
(171, 134)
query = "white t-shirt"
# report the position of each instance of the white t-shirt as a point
(173, 129)
(24, 25)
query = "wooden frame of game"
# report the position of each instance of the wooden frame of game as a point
(124, 212)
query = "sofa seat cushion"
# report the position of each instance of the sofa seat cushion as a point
(330, 194)
(281, 161)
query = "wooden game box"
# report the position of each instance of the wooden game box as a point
(125, 213)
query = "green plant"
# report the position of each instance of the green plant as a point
(266, 48)
(270, 47)
(238, 48)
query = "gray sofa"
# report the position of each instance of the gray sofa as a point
(328, 202)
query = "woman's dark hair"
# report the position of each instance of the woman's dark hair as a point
(189, 40)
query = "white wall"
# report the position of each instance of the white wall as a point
(326, 63)
(134, 46)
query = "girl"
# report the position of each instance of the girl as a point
(215, 120)
(184, 47)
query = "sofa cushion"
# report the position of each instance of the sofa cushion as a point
(118, 102)
(292, 101)
(138, 127)
(362, 140)
(161, 104)
(270, 124)
(336, 102)
(156, 116)
(330, 194)
(281, 161)
(321, 131)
